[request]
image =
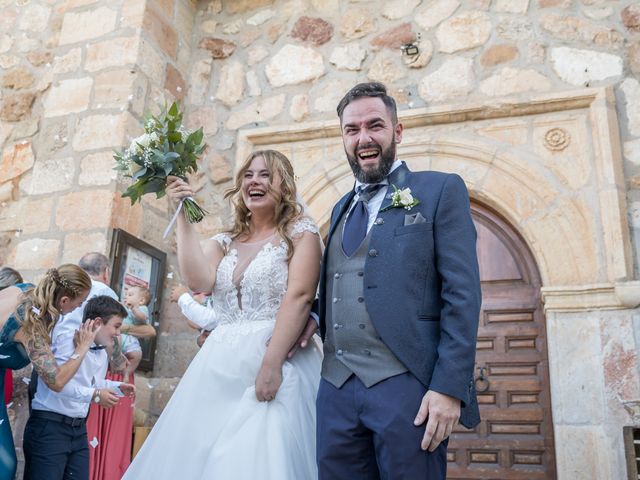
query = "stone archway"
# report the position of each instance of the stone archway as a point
(551, 166)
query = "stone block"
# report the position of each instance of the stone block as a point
(453, 79)
(199, 81)
(84, 210)
(39, 58)
(205, 117)
(185, 19)
(435, 12)
(126, 216)
(631, 18)
(396, 9)
(512, 81)
(16, 106)
(52, 175)
(70, 62)
(6, 41)
(69, 96)
(36, 254)
(18, 78)
(293, 65)
(633, 54)
(85, 25)
(120, 89)
(161, 31)
(151, 61)
(579, 452)
(75, 245)
(240, 6)
(357, 23)
(174, 82)
(394, 38)
(464, 31)
(583, 67)
(218, 169)
(97, 169)
(217, 47)
(36, 214)
(349, 57)
(35, 18)
(16, 160)
(116, 52)
(257, 112)
(511, 6)
(386, 67)
(329, 93)
(631, 89)
(53, 137)
(299, 109)
(166, 7)
(103, 131)
(253, 84)
(316, 31)
(574, 29)
(231, 87)
(498, 54)
(132, 13)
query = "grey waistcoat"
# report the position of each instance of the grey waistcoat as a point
(352, 345)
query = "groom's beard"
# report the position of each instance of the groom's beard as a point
(375, 175)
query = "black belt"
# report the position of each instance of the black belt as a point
(58, 417)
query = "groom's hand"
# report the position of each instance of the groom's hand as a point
(305, 336)
(442, 413)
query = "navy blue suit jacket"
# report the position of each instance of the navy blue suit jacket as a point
(422, 284)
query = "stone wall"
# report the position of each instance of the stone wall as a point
(76, 76)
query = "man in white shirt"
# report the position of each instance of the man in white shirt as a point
(55, 437)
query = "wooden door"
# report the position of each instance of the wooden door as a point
(515, 437)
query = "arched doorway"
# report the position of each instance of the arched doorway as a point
(515, 437)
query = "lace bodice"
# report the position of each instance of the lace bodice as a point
(257, 294)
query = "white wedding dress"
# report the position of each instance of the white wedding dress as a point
(214, 427)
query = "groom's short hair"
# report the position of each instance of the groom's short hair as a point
(369, 89)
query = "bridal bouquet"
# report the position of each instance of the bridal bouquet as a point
(165, 148)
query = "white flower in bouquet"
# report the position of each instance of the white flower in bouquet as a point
(165, 148)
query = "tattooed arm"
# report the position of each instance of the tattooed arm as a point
(44, 362)
(117, 360)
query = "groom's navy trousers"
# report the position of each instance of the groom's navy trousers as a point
(368, 433)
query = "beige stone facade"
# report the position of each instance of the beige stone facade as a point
(535, 103)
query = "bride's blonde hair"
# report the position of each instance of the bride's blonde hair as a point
(287, 207)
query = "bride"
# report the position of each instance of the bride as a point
(242, 410)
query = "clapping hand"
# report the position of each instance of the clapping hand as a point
(86, 335)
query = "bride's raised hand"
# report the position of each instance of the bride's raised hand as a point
(268, 382)
(177, 189)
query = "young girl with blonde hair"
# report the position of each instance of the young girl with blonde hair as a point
(27, 316)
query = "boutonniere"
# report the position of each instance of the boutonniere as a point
(401, 199)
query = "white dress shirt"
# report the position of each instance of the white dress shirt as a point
(375, 202)
(201, 315)
(75, 397)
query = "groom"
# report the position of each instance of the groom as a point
(399, 302)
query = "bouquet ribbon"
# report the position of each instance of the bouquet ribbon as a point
(173, 220)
